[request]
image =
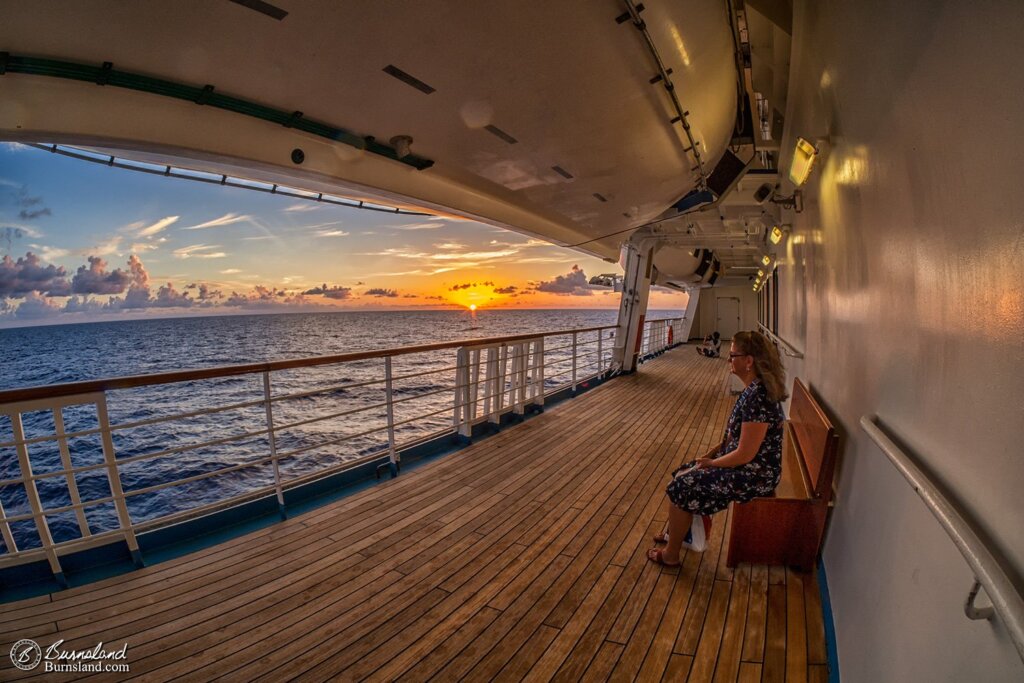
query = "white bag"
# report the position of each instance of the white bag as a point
(697, 537)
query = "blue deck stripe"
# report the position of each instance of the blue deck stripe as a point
(830, 626)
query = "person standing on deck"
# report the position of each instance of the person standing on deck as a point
(748, 462)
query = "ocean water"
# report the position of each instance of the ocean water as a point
(336, 416)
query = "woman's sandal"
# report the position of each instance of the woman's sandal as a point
(657, 555)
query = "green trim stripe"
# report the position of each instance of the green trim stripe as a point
(205, 96)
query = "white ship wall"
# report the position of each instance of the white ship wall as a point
(903, 284)
(707, 310)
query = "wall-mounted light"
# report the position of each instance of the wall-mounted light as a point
(760, 273)
(766, 260)
(803, 160)
(776, 235)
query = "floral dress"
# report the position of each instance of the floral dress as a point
(710, 490)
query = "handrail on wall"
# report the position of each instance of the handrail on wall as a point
(787, 348)
(1007, 602)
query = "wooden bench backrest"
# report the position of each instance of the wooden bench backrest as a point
(816, 439)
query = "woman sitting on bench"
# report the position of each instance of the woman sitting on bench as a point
(748, 462)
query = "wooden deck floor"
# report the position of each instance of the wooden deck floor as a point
(520, 557)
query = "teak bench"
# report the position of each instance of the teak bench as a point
(787, 528)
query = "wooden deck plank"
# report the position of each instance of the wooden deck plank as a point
(817, 673)
(523, 662)
(640, 639)
(775, 636)
(728, 666)
(426, 667)
(704, 661)
(659, 657)
(816, 649)
(520, 556)
(753, 635)
(750, 672)
(678, 669)
(796, 628)
(600, 669)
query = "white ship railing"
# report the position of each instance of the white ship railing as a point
(492, 378)
(1007, 602)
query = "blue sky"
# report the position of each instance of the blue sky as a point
(150, 244)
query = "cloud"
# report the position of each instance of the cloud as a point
(141, 247)
(206, 295)
(505, 290)
(83, 304)
(160, 225)
(331, 233)
(50, 253)
(409, 296)
(36, 306)
(10, 233)
(16, 194)
(572, 284)
(230, 271)
(226, 219)
(196, 251)
(168, 297)
(434, 224)
(303, 206)
(26, 215)
(337, 292)
(262, 298)
(111, 246)
(28, 274)
(377, 291)
(94, 278)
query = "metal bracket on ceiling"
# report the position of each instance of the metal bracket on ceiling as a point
(633, 10)
(103, 75)
(204, 96)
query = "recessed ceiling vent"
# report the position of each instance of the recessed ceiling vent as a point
(562, 172)
(263, 8)
(494, 130)
(408, 79)
(600, 197)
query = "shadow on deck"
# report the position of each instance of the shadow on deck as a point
(521, 556)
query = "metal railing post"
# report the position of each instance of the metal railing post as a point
(600, 353)
(5, 531)
(272, 438)
(65, 459)
(393, 456)
(538, 373)
(38, 516)
(114, 475)
(574, 343)
(461, 415)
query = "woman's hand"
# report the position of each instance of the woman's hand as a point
(703, 463)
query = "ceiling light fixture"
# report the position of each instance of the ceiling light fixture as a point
(803, 161)
(776, 235)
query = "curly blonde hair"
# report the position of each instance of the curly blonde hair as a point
(767, 364)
